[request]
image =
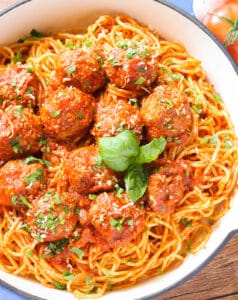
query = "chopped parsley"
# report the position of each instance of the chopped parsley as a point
(36, 33)
(20, 200)
(142, 70)
(18, 57)
(227, 142)
(57, 246)
(87, 42)
(71, 70)
(130, 223)
(88, 280)
(92, 196)
(19, 110)
(130, 53)
(214, 140)
(36, 176)
(68, 276)
(189, 245)
(166, 101)
(32, 159)
(30, 69)
(56, 113)
(217, 98)
(57, 199)
(197, 109)
(30, 253)
(113, 61)
(140, 80)
(79, 252)
(186, 223)
(59, 285)
(117, 223)
(16, 147)
(70, 46)
(204, 140)
(134, 102)
(48, 221)
(145, 53)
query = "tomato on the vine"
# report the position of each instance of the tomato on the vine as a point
(223, 22)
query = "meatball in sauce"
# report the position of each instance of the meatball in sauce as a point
(132, 68)
(20, 181)
(117, 219)
(167, 186)
(82, 68)
(166, 112)
(18, 86)
(86, 172)
(52, 216)
(67, 113)
(20, 132)
(114, 115)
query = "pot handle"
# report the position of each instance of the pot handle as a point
(186, 5)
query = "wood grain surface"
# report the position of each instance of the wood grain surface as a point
(218, 280)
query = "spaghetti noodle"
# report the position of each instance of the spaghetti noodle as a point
(71, 225)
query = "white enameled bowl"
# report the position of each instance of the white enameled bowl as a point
(50, 15)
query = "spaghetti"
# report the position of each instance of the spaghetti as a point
(71, 225)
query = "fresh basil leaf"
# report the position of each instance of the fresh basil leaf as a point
(136, 180)
(119, 151)
(151, 151)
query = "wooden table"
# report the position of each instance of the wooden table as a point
(218, 280)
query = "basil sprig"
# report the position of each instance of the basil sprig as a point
(123, 153)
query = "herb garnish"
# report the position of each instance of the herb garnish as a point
(32, 159)
(123, 153)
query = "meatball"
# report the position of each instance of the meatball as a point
(82, 69)
(86, 172)
(167, 186)
(130, 69)
(20, 182)
(20, 132)
(166, 112)
(52, 216)
(118, 220)
(18, 86)
(67, 113)
(113, 116)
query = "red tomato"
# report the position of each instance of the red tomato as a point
(220, 27)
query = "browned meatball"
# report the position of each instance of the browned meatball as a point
(118, 220)
(167, 186)
(52, 216)
(20, 132)
(20, 181)
(18, 85)
(130, 69)
(67, 113)
(113, 116)
(86, 174)
(82, 69)
(166, 112)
